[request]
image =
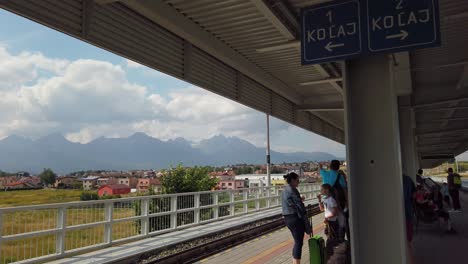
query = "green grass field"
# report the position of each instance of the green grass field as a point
(35, 197)
(35, 220)
(30, 221)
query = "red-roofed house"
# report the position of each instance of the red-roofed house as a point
(115, 189)
(145, 184)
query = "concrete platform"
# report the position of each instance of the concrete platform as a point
(433, 246)
(273, 248)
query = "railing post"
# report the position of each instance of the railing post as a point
(173, 212)
(268, 197)
(196, 208)
(257, 199)
(276, 193)
(246, 203)
(216, 207)
(109, 218)
(145, 229)
(60, 237)
(232, 206)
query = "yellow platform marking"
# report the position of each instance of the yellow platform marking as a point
(271, 250)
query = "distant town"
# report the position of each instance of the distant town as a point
(143, 181)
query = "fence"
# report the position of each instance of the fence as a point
(44, 232)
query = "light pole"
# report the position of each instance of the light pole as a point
(268, 151)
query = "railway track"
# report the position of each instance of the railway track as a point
(214, 246)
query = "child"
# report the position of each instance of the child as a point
(330, 207)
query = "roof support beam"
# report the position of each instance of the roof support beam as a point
(267, 12)
(442, 109)
(441, 142)
(463, 82)
(446, 101)
(329, 120)
(443, 119)
(294, 44)
(166, 16)
(326, 80)
(439, 146)
(105, 2)
(324, 73)
(321, 107)
(441, 132)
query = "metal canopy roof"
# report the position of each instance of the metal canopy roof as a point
(248, 51)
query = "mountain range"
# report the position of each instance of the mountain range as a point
(138, 151)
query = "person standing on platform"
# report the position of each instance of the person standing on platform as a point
(329, 205)
(453, 190)
(295, 214)
(419, 178)
(337, 180)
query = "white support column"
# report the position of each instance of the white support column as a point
(375, 181)
(408, 147)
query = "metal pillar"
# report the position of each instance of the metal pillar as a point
(375, 182)
(268, 151)
(408, 147)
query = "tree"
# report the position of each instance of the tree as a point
(48, 177)
(181, 180)
(178, 180)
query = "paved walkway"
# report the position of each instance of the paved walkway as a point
(432, 245)
(273, 248)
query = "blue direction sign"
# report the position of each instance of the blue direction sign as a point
(331, 32)
(398, 25)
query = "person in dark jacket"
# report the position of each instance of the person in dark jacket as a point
(453, 190)
(295, 214)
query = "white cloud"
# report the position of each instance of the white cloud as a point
(86, 99)
(148, 72)
(132, 64)
(26, 67)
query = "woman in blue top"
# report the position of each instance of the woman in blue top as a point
(295, 214)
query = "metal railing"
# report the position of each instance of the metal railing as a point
(44, 232)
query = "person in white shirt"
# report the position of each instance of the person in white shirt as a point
(328, 205)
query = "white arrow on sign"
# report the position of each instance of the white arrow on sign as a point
(402, 35)
(331, 46)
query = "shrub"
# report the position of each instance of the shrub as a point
(88, 196)
(106, 197)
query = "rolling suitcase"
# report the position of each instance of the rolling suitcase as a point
(317, 250)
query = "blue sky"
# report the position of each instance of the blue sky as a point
(41, 104)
